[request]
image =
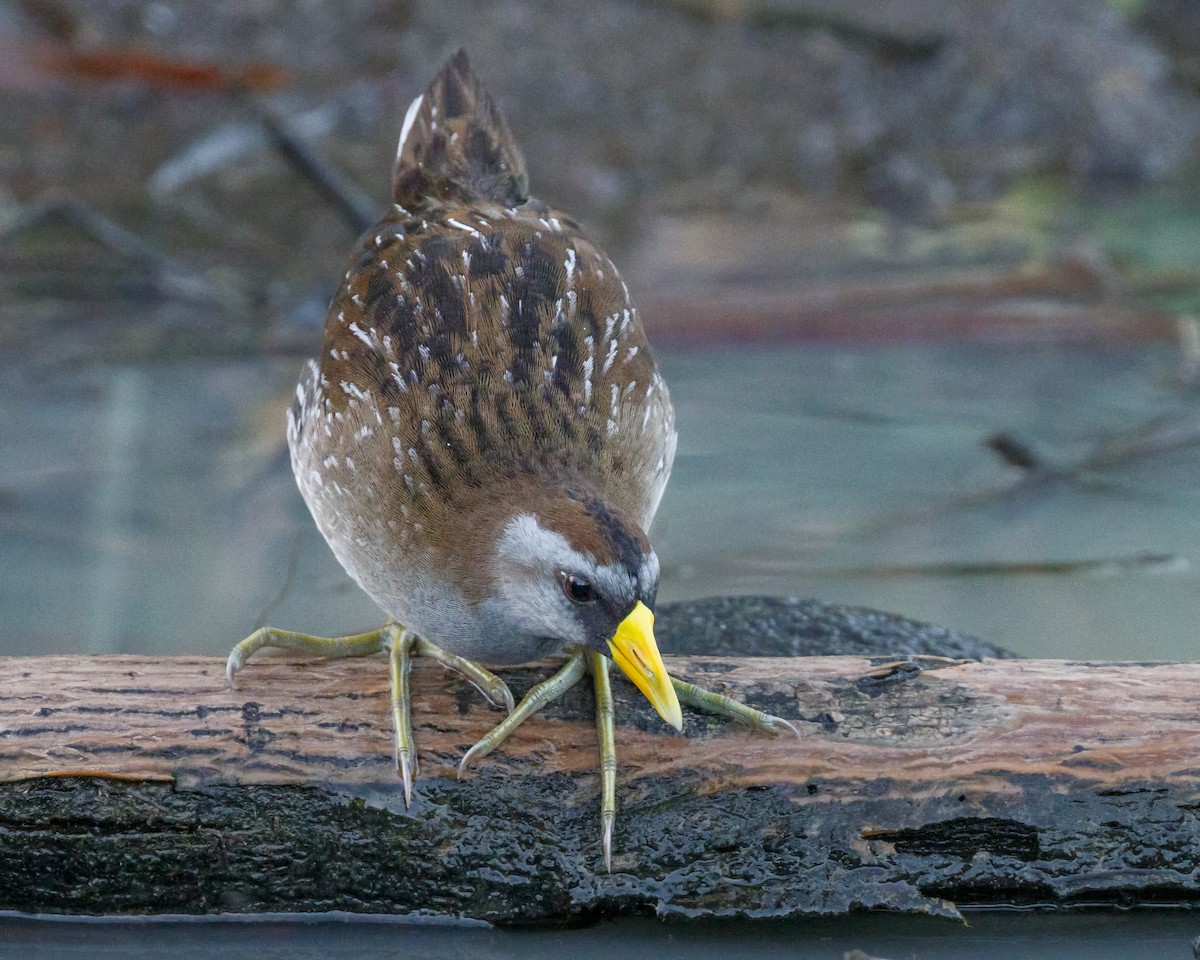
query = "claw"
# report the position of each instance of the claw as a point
(408, 772)
(469, 756)
(776, 724)
(232, 666)
(497, 694)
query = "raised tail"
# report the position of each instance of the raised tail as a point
(455, 146)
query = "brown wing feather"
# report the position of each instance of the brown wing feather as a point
(502, 341)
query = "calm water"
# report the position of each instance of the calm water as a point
(151, 509)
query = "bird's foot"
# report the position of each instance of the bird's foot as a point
(550, 690)
(402, 645)
(355, 645)
(725, 706)
(494, 690)
(571, 673)
(538, 696)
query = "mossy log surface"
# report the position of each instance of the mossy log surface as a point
(141, 785)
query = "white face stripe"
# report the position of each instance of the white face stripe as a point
(527, 542)
(648, 575)
(409, 117)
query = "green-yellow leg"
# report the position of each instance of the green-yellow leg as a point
(491, 686)
(538, 696)
(400, 644)
(358, 645)
(718, 703)
(606, 734)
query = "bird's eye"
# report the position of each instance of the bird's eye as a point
(578, 589)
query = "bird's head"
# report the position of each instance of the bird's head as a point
(581, 574)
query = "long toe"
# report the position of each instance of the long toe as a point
(538, 696)
(725, 706)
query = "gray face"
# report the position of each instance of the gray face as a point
(552, 592)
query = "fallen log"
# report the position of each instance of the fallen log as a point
(137, 785)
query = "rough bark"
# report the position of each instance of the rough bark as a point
(139, 785)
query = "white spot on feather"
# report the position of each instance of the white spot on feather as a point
(609, 322)
(409, 116)
(358, 332)
(462, 226)
(588, 365)
(612, 355)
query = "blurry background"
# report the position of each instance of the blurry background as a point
(921, 275)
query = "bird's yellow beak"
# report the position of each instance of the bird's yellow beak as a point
(635, 652)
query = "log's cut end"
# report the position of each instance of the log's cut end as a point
(133, 785)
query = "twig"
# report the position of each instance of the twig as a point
(357, 209)
(230, 143)
(1153, 438)
(1013, 452)
(172, 277)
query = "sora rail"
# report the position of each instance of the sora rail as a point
(485, 438)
